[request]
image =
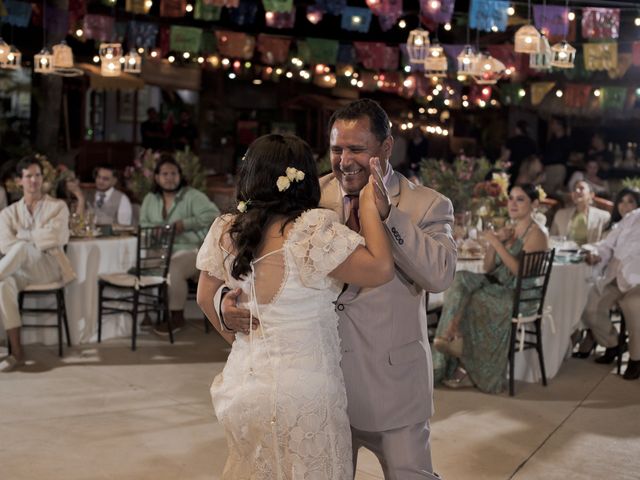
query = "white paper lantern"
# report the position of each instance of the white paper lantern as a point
(62, 56)
(487, 70)
(466, 60)
(435, 65)
(564, 55)
(110, 55)
(527, 40)
(43, 62)
(14, 59)
(132, 62)
(542, 59)
(418, 45)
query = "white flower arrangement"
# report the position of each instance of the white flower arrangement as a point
(292, 175)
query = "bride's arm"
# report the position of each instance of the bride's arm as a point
(207, 288)
(371, 265)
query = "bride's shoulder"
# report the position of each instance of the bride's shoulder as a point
(317, 217)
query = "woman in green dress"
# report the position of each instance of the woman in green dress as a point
(472, 339)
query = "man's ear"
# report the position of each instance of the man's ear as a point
(387, 147)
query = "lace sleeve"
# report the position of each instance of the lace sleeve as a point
(319, 243)
(211, 255)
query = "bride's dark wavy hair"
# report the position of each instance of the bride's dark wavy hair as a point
(268, 158)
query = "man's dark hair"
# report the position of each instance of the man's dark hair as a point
(25, 162)
(365, 107)
(167, 158)
(104, 166)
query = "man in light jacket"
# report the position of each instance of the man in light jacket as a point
(33, 233)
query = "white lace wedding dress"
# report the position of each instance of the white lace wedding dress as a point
(281, 396)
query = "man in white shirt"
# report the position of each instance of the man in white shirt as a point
(619, 255)
(111, 205)
(33, 233)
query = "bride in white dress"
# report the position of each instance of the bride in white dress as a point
(281, 396)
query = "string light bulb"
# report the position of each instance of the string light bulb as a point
(511, 11)
(571, 16)
(402, 24)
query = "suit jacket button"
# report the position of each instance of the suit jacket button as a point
(340, 307)
(401, 241)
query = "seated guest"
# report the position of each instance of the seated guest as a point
(111, 206)
(619, 254)
(598, 151)
(531, 170)
(627, 200)
(71, 193)
(473, 335)
(32, 234)
(590, 175)
(172, 202)
(581, 222)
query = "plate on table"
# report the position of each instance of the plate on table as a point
(123, 229)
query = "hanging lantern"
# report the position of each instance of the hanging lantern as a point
(435, 64)
(4, 52)
(488, 70)
(418, 45)
(542, 59)
(564, 55)
(62, 56)
(43, 62)
(14, 59)
(132, 62)
(466, 60)
(527, 40)
(63, 61)
(110, 55)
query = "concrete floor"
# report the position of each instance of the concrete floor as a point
(104, 412)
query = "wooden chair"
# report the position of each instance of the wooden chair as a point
(42, 290)
(528, 303)
(145, 287)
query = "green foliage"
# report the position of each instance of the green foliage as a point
(631, 183)
(455, 180)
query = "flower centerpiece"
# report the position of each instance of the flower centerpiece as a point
(490, 198)
(139, 176)
(457, 179)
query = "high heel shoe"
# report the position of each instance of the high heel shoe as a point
(610, 354)
(583, 352)
(452, 347)
(633, 370)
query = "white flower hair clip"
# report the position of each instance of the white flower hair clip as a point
(291, 175)
(243, 206)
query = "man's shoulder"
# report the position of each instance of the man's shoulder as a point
(422, 193)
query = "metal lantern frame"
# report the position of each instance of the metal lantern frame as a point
(435, 64)
(488, 70)
(14, 59)
(43, 62)
(62, 55)
(542, 59)
(110, 55)
(466, 60)
(563, 55)
(418, 45)
(527, 40)
(132, 62)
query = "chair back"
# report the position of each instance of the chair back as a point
(155, 246)
(534, 271)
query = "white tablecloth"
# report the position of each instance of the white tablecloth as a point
(89, 258)
(567, 295)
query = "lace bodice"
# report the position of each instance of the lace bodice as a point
(281, 396)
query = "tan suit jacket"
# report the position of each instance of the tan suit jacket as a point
(597, 220)
(386, 358)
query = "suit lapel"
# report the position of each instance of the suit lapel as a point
(394, 188)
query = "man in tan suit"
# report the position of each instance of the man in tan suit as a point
(386, 358)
